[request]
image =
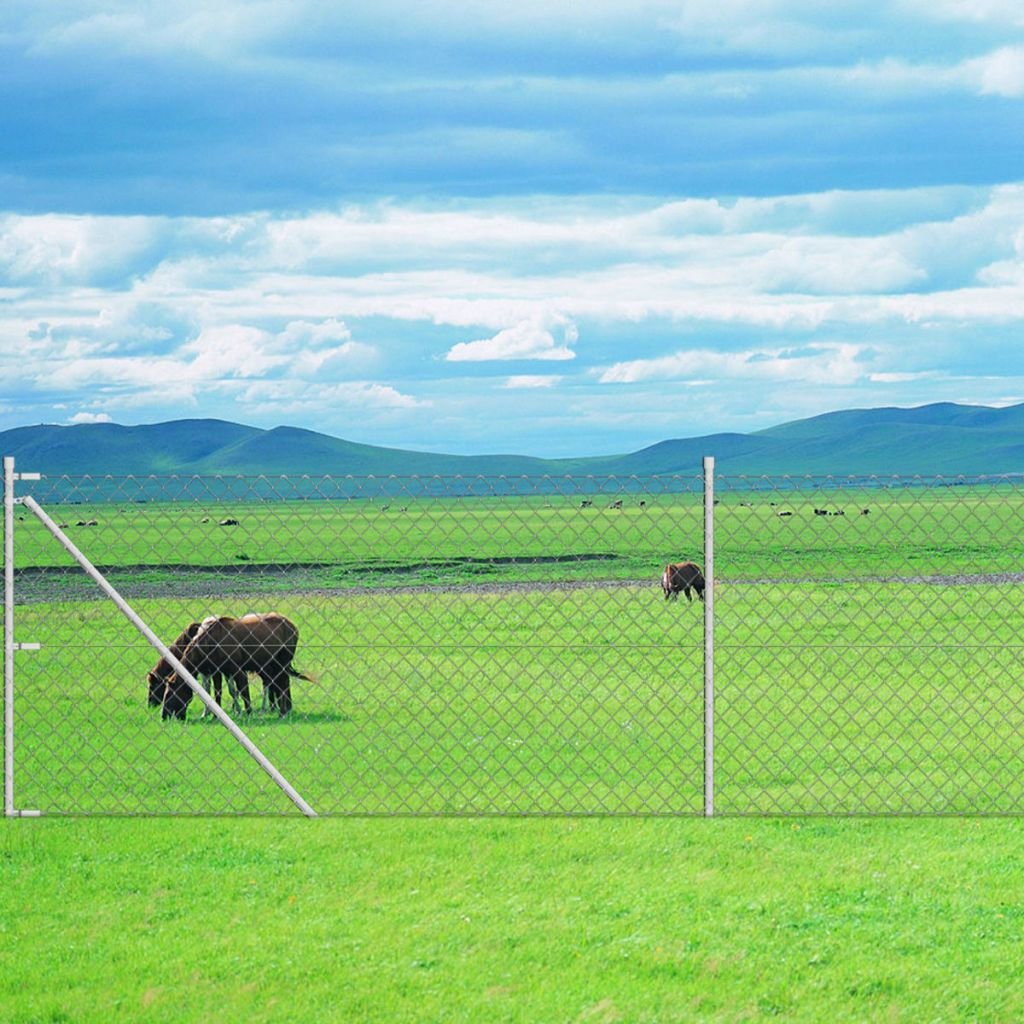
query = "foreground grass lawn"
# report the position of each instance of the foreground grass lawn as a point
(509, 920)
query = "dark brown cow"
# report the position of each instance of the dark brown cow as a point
(264, 644)
(684, 576)
(158, 678)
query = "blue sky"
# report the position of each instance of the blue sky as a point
(555, 229)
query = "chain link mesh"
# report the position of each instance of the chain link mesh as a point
(503, 646)
(868, 645)
(477, 646)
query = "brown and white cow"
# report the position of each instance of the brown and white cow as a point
(684, 576)
(264, 644)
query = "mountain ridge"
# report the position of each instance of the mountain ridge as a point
(937, 439)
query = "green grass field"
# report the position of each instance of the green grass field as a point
(512, 921)
(502, 658)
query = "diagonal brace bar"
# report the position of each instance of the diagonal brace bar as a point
(123, 606)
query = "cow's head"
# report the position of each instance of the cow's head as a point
(177, 697)
(156, 683)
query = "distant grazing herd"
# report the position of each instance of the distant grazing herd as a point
(222, 647)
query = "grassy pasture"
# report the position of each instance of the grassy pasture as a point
(584, 701)
(550, 537)
(845, 683)
(836, 693)
(680, 921)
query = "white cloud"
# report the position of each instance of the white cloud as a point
(301, 396)
(90, 417)
(529, 339)
(340, 360)
(1000, 73)
(529, 382)
(999, 12)
(818, 290)
(323, 350)
(815, 363)
(902, 378)
(231, 350)
(172, 27)
(64, 249)
(304, 333)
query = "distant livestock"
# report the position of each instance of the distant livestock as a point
(682, 576)
(264, 644)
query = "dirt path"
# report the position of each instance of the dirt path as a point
(36, 586)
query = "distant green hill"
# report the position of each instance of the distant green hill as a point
(943, 439)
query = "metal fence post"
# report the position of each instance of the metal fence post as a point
(8, 636)
(709, 636)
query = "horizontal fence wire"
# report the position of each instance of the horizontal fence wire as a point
(476, 646)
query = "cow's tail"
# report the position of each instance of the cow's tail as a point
(296, 674)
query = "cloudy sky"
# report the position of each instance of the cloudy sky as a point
(546, 227)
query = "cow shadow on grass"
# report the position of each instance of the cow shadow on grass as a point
(272, 718)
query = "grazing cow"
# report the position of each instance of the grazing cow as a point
(616, 504)
(157, 679)
(684, 576)
(586, 503)
(264, 644)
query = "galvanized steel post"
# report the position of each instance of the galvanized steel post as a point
(709, 636)
(10, 811)
(8, 636)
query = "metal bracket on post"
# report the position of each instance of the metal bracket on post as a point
(10, 476)
(709, 636)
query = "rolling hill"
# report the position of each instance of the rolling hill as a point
(944, 438)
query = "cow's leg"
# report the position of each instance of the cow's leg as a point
(687, 591)
(233, 694)
(284, 693)
(214, 689)
(269, 699)
(273, 688)
(242, 689)
(236, 690)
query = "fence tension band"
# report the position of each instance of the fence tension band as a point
(133, 617)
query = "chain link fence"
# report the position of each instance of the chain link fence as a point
(504, 646)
